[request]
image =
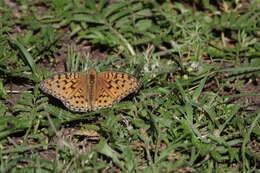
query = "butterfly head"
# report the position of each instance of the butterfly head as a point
(92, 71)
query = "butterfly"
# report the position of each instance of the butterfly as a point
(89, 91)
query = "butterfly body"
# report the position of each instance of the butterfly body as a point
(89, 91)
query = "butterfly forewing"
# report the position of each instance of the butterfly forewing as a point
(69, 88)
(115, 86)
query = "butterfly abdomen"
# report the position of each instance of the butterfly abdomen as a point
(92, 86)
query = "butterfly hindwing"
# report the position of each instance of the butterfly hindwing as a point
(103, 100)
(78, 101)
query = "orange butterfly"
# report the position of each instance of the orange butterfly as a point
(90, 91)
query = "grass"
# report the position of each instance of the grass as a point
(196, 111)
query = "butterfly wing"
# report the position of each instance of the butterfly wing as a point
(69, 88)
(78, 102)
(112, 87)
